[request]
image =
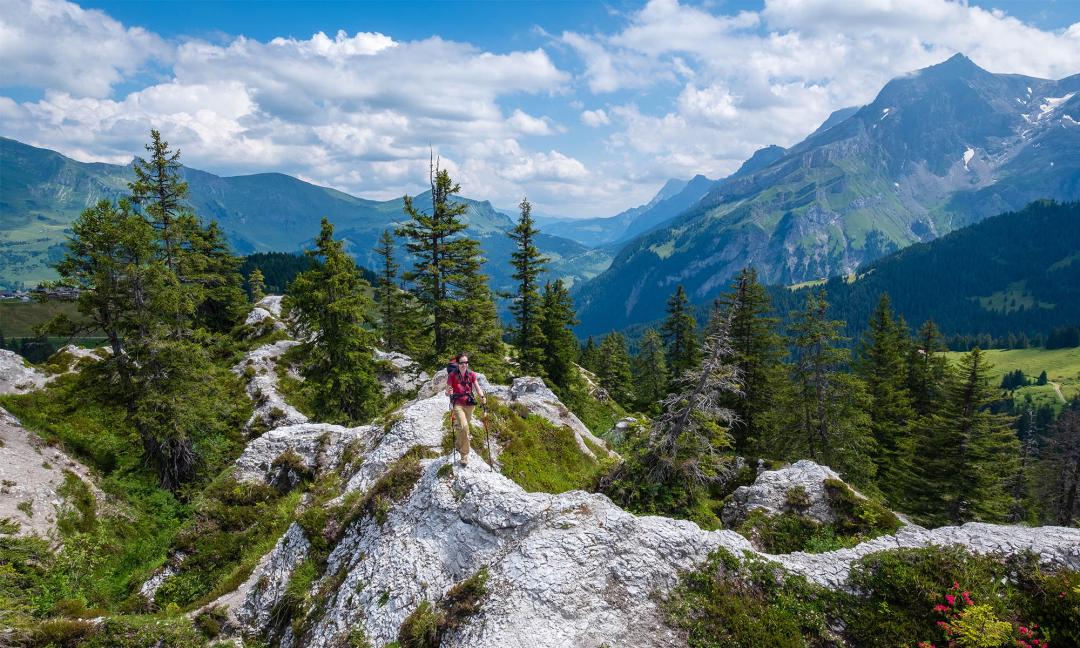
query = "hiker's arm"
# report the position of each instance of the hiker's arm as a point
(480, 391)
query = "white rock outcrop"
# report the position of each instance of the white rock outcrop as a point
(404, 377)
(31, 472)
(772, 492)
(271, 408)
(17, 376)
(567, 570)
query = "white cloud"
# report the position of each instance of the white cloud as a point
(595, 118)
(59, 45)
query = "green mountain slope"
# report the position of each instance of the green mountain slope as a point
(1018, 272)
(41, 192)
(937, 149)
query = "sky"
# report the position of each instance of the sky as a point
(586, 108)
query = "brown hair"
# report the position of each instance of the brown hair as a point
(459, 356)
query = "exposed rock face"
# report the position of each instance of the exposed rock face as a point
(771, 490)
(31, 471)
(1054, 545)
(271, 304)
(406, 376)
(564, 570)
(271, 409)
(17, 376)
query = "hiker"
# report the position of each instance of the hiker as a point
(463, 388)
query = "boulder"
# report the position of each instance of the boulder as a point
(801, 485)
(17, 376)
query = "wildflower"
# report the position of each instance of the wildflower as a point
(951, 599)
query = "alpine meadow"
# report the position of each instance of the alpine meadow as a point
(655, 323)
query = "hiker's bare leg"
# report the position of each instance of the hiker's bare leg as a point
(463, 416)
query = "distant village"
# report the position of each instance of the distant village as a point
(64, 293)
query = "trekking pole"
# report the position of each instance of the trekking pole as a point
(487, 436)
(453, 434)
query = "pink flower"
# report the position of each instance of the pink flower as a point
(941, 608)
(951, 599)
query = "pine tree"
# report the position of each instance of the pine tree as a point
(613, 368)
(1059, 468)
(826, 407)
(528, 265)
(439, 258)
(1042, 379)
(650, 373)
(758, 352)
(687, 438)
(927, 369)
(557, 319)
(400, 321)
(331, 310)
(589, 357)
(256, 285)
(161, 193)
(680, 335)
(474, 325)
(882, 366)
(971, 453)
(213, 275)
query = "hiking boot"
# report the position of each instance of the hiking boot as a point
(463, 461)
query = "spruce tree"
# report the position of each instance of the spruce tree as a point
(528, 265)
(650, 373)
(473, 326)
(589, 356)
(557, 319)
(160, 192)
(1059, 468)
(399, 321)
(687, 439)
(758, 352)
(927, 368)
(430, 239)
(680, 335)
(613, 368)
(971, 453)
(826, 407)
(331, 311)
(213, 273)
(881, 364)
(256, 285)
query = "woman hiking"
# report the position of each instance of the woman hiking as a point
(463, 389)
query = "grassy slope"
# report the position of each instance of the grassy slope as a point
(19, 319)
(1062, 366)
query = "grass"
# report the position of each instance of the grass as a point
(538, 455)
(20, 319)
(1062, 366)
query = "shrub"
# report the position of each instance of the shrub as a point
(426, 626)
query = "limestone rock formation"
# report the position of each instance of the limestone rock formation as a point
(773, 490)
(17, 376)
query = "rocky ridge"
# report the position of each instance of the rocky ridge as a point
(571, 569)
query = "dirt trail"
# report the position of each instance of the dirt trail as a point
(1057, 389)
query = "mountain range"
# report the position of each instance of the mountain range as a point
(42, 192)
(937, 149)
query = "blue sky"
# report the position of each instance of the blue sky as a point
(586, 107)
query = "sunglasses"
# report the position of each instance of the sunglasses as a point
(464, 362)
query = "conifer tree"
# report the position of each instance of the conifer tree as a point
(758, 352)
(680, 334)
(430, 238)
(687, 438)
(256, 285)
(650, 373)
(589, 356)
(474, 325)
(825, 411)
(972, 453)
(613, 368)
(213, 273)
(882, 366)
(528, 265)
(331, 311)
(557, 319)
(161, 193)
(927, 370)
(399, 319)
(1059, 468)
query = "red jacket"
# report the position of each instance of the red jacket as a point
(461, 386)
